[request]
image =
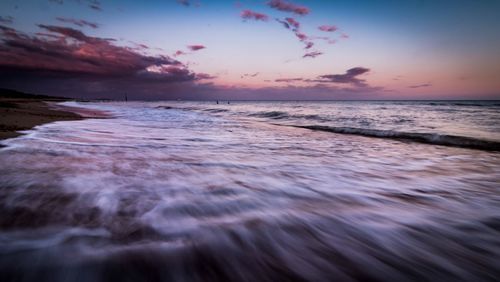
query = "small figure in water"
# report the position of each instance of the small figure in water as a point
(228, 102)
(126, 98)
(217, 102)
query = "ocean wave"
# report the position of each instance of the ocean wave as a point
(427, 138)
(216, 110)
(466, 103)
(271, 114)
(285, 115)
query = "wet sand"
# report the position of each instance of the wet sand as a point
(20, 111)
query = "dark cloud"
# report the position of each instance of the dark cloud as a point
(290, 23)
(196, 47)
(184, 2)
(312, 54)
(288, 92)
(188, 3)
(167, 73)
(201, 76)
(349, 77)
(80, 23)
(420, 85)
(328, 28)
(344, 36)
(95, 5)
(288, 80)
(251, 15)
(65, 57)
(6, 19)
(284, 23)
(250, 74)
(288, 7)
(73, 34)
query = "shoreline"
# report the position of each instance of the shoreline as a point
(18, 113)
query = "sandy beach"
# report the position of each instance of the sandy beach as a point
(21, 111)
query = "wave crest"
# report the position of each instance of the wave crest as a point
(427, 138)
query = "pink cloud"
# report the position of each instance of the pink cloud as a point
(201, 76)
(301, 35)
(251, 15)
(420, 85)
(196, 47)
(312, 54)
(328, 28)
(288, 7)
(179, 53)
(293, 22)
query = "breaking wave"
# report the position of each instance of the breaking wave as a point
(427, 138)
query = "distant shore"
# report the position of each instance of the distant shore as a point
(21, 111)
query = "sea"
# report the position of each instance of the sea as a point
(255, 191)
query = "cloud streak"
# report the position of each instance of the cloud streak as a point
(351, 76)
(251, 15)
(289, 80)
(80, 23)
(312, 54)
(250, 74)
(292, 22)
(6, 19)
(328, 28)
(184, 2)
(420, 85)
(285, 6)
(95, 5)
(196, 47)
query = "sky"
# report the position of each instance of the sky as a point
(252, 50)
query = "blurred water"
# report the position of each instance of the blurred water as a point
(192, 191)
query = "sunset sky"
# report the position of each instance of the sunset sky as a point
(299, 50)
